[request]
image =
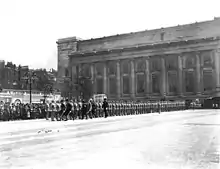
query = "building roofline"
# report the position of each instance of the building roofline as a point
(69, 39)
(157, 29)
(77, 39)
(146, 46)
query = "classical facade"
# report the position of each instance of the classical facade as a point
(172, 63)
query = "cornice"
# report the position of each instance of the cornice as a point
(66, 49)
(145, 47)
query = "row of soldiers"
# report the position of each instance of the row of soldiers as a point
(64, 110)
(80, 110)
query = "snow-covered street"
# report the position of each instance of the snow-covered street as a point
(185, 139)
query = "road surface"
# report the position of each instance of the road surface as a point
(185, 139)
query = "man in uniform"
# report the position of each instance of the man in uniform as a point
(52, 110)
(138, 108)
(159, 107)
(80, 109)
(75, 105)
(84, 109)
(90, 109)
(47, 109)
(67, 110)
(117, 109)
(105, 107)
(57, 111)
(71, 113)
(1, 110)
(97, 109)
(94, 109)
(110, 108)
(129, 108)
(100, 110)
(62, 109)
(113, 108)
(142, 107)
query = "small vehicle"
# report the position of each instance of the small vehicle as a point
(99, 98)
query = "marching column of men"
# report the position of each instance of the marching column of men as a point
(72, 110)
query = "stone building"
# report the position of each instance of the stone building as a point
(8, 74)
(175, 62)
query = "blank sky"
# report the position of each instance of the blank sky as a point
(29, 28)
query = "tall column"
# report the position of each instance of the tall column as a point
(147, 76)
(163, 77)
(217, 69)
(105, 79)
(180, 75)
(132, 79)
(93, 78)
(198, 74)
(118, 80)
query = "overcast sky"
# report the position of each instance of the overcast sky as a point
(29, 28)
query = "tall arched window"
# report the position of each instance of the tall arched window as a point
(171, 69)
(112, 77)
(155, 67)
(99, 77)
(112, 68)
(126, 76)
(190, 61)
(99, 69)
(86, 72)
(207, 70)
(140, 76)
(189, 72)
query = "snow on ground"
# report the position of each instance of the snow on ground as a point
(187, 139)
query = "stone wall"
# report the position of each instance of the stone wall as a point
(189, 71)
(177, 33)
(64, 46)
(190, 31)
(173, 76)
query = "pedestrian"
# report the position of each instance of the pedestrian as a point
(76, 109)
(52, 109)
(67, 110)
(62, 109)
(94, 109)
(105, 106)
(90, 108)
(84, 109)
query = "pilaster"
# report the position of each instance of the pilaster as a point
(163, 77)
(105, 87)
(180, 75)
(93, 78)
(217, 69)
(147, 76)
(132, 79)
(198, 74)
(118, 80)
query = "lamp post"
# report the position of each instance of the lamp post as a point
(30, 77)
